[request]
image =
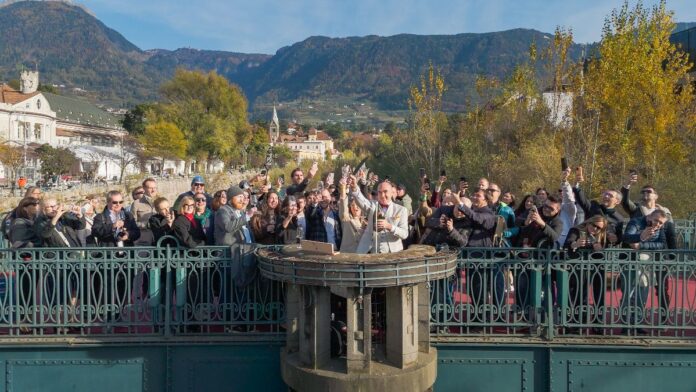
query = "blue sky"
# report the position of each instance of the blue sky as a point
(264, 26)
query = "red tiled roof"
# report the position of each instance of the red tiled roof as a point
(12, 96)
(321, 135)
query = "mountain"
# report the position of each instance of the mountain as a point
(383, 68)
(71, 47)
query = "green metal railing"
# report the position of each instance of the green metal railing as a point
(146, 290)
(164, 291)
(549, 293)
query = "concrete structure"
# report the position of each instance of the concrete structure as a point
(406, 362)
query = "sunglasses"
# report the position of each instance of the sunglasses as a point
(117, 202)
(200, 200)
(646, 191)
(597, 227)
(198, 184)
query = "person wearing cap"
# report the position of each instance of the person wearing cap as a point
(403, 199)
(197, 186)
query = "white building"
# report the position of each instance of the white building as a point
(30, 118)
(315, 145)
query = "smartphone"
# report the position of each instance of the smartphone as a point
(564, 164)
(282, 178)
(443, 173)
(534, 209)
(330, 177)
(422, 172)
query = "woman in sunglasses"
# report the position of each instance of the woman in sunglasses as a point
(186, 228)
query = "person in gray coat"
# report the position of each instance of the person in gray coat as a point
(232, 229)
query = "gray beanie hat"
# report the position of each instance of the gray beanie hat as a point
(233, 191)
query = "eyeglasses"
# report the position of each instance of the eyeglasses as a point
(597, 227)
(200, 200)
(188, 205)
(117, 202)
(198, 184)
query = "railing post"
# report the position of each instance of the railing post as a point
(167, 293)
(548, 295)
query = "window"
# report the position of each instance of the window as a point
(38, 104)
(37, 131)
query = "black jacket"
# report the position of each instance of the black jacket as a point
(68, 224)
(23, 235)
(482, 226)
(538, 237)
(592, 208)
(103, 231)
(436, 235)
(160, 228)
(188, 235)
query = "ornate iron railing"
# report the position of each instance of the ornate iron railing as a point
(165, 291)
(548, 293)
(146, 290)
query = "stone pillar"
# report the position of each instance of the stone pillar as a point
(402, 325)
(359, 325)
(315, 326)
(423, 318)
(292, 317)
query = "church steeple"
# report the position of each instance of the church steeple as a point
(274, 128)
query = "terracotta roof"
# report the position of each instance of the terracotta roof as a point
(321, 135)
(312, 131)
(64, 132)
(12, 96)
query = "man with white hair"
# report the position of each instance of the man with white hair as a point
(387, 222)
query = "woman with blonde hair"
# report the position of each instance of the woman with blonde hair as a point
(353, 222)
(590, 235)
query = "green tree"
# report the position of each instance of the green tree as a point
(208, 109)
(135, 120)
(164, 140)
(55, 161)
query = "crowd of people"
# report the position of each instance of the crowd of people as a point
(361, 214)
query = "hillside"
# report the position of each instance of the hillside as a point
(71, 47)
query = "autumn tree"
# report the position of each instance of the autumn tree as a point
(164, 140)
(12, 159)
(640, 88)
(209, 110)
(423, 142)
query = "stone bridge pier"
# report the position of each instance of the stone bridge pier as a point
(404, 362)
